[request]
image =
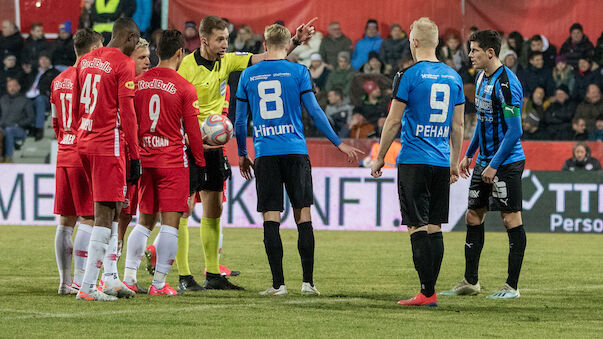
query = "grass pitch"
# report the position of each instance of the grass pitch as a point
(361, 276)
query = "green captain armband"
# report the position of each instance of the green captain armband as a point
(511, 111)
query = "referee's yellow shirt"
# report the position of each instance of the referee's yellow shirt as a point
(211, 77)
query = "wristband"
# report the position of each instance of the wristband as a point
(295, 41)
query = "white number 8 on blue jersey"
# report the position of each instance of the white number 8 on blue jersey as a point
(275, 97)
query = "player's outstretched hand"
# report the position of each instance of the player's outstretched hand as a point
(305, 31)
(246, 167)
(454, 174)
(464, 167)
(135, 171)
(376, 168)
(351, 152)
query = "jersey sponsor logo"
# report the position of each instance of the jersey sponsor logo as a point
(96, 63)
(484, 118)
(265, 131)
(155, 141)
(483, 104)
(430, 76)
(157, 84)
(68, 139)
(432, 131)
(259, 77)
(196, 104)
(86, 124)
(223, 87)
(65, 84)
(130, 85)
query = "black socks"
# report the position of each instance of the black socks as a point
(437, 250)
(474, 242)
(422, 257)
(274, 250)
(517, 247)
(305, 246)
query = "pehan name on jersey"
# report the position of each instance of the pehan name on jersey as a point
(432, 131)
(157, 84)
(96, 63)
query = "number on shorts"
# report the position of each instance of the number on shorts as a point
(154, 108)
(441, 105)
(275, 97)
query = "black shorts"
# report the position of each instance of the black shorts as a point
(504, 195)
(212, 176)
(294, 171)
(424, 192)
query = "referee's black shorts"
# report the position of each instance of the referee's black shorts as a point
(424, 192)
(272, 172)
(212, 177)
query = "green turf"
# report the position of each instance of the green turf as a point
(361, 276)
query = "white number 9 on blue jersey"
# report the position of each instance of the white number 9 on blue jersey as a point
(441, 105)
(265, 98)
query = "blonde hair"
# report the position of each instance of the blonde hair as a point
(425, 31)
(276, 35)
(142, 43)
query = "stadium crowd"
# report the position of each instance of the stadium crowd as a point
(562, 86)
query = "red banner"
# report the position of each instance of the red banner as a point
(549, 17)
(540, 155)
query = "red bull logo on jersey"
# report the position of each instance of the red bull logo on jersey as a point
(265, 131)
(157, 84)
(96, 63)
(65, 84)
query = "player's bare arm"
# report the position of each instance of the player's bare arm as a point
(303, 33)
(246, 167)
(390, 130)
(456, 141)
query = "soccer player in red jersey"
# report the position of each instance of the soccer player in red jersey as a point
(167, 107)
(72, 197)
(141, 61)
(106, 82)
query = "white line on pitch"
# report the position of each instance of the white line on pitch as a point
(587, 287)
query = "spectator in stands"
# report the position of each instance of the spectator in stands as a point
(539, 43)
(105, 12)
(509, 59)
(394, 46)
(38, 90)
(16, 115)
(374, 65)
(404, 62)
(531, 130)
(11, 42)
(360, 128)
(516, 44)
(334, 43)
(536, 105)
(584, 77)
(191, 37)
(142, 16)
(35, 44)
(85, 15)
(141, 56)
(577, 46)
(318, 71)
(339, 111)
(558, 116)
(581, 160)
(246, 41)
(303, 52)
(63, 53)
(342, 76)
(374, 105)
(563, 74)
(578, 131)
(452, 52)
(599, 51)
(371, 42)
(536, 75)
(10, 70)
(597, 133)
(592, 106)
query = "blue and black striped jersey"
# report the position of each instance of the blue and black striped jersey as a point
(498, 100)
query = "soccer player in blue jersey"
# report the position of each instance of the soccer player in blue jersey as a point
(272, 91)
(429, 100)
(496, 180)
